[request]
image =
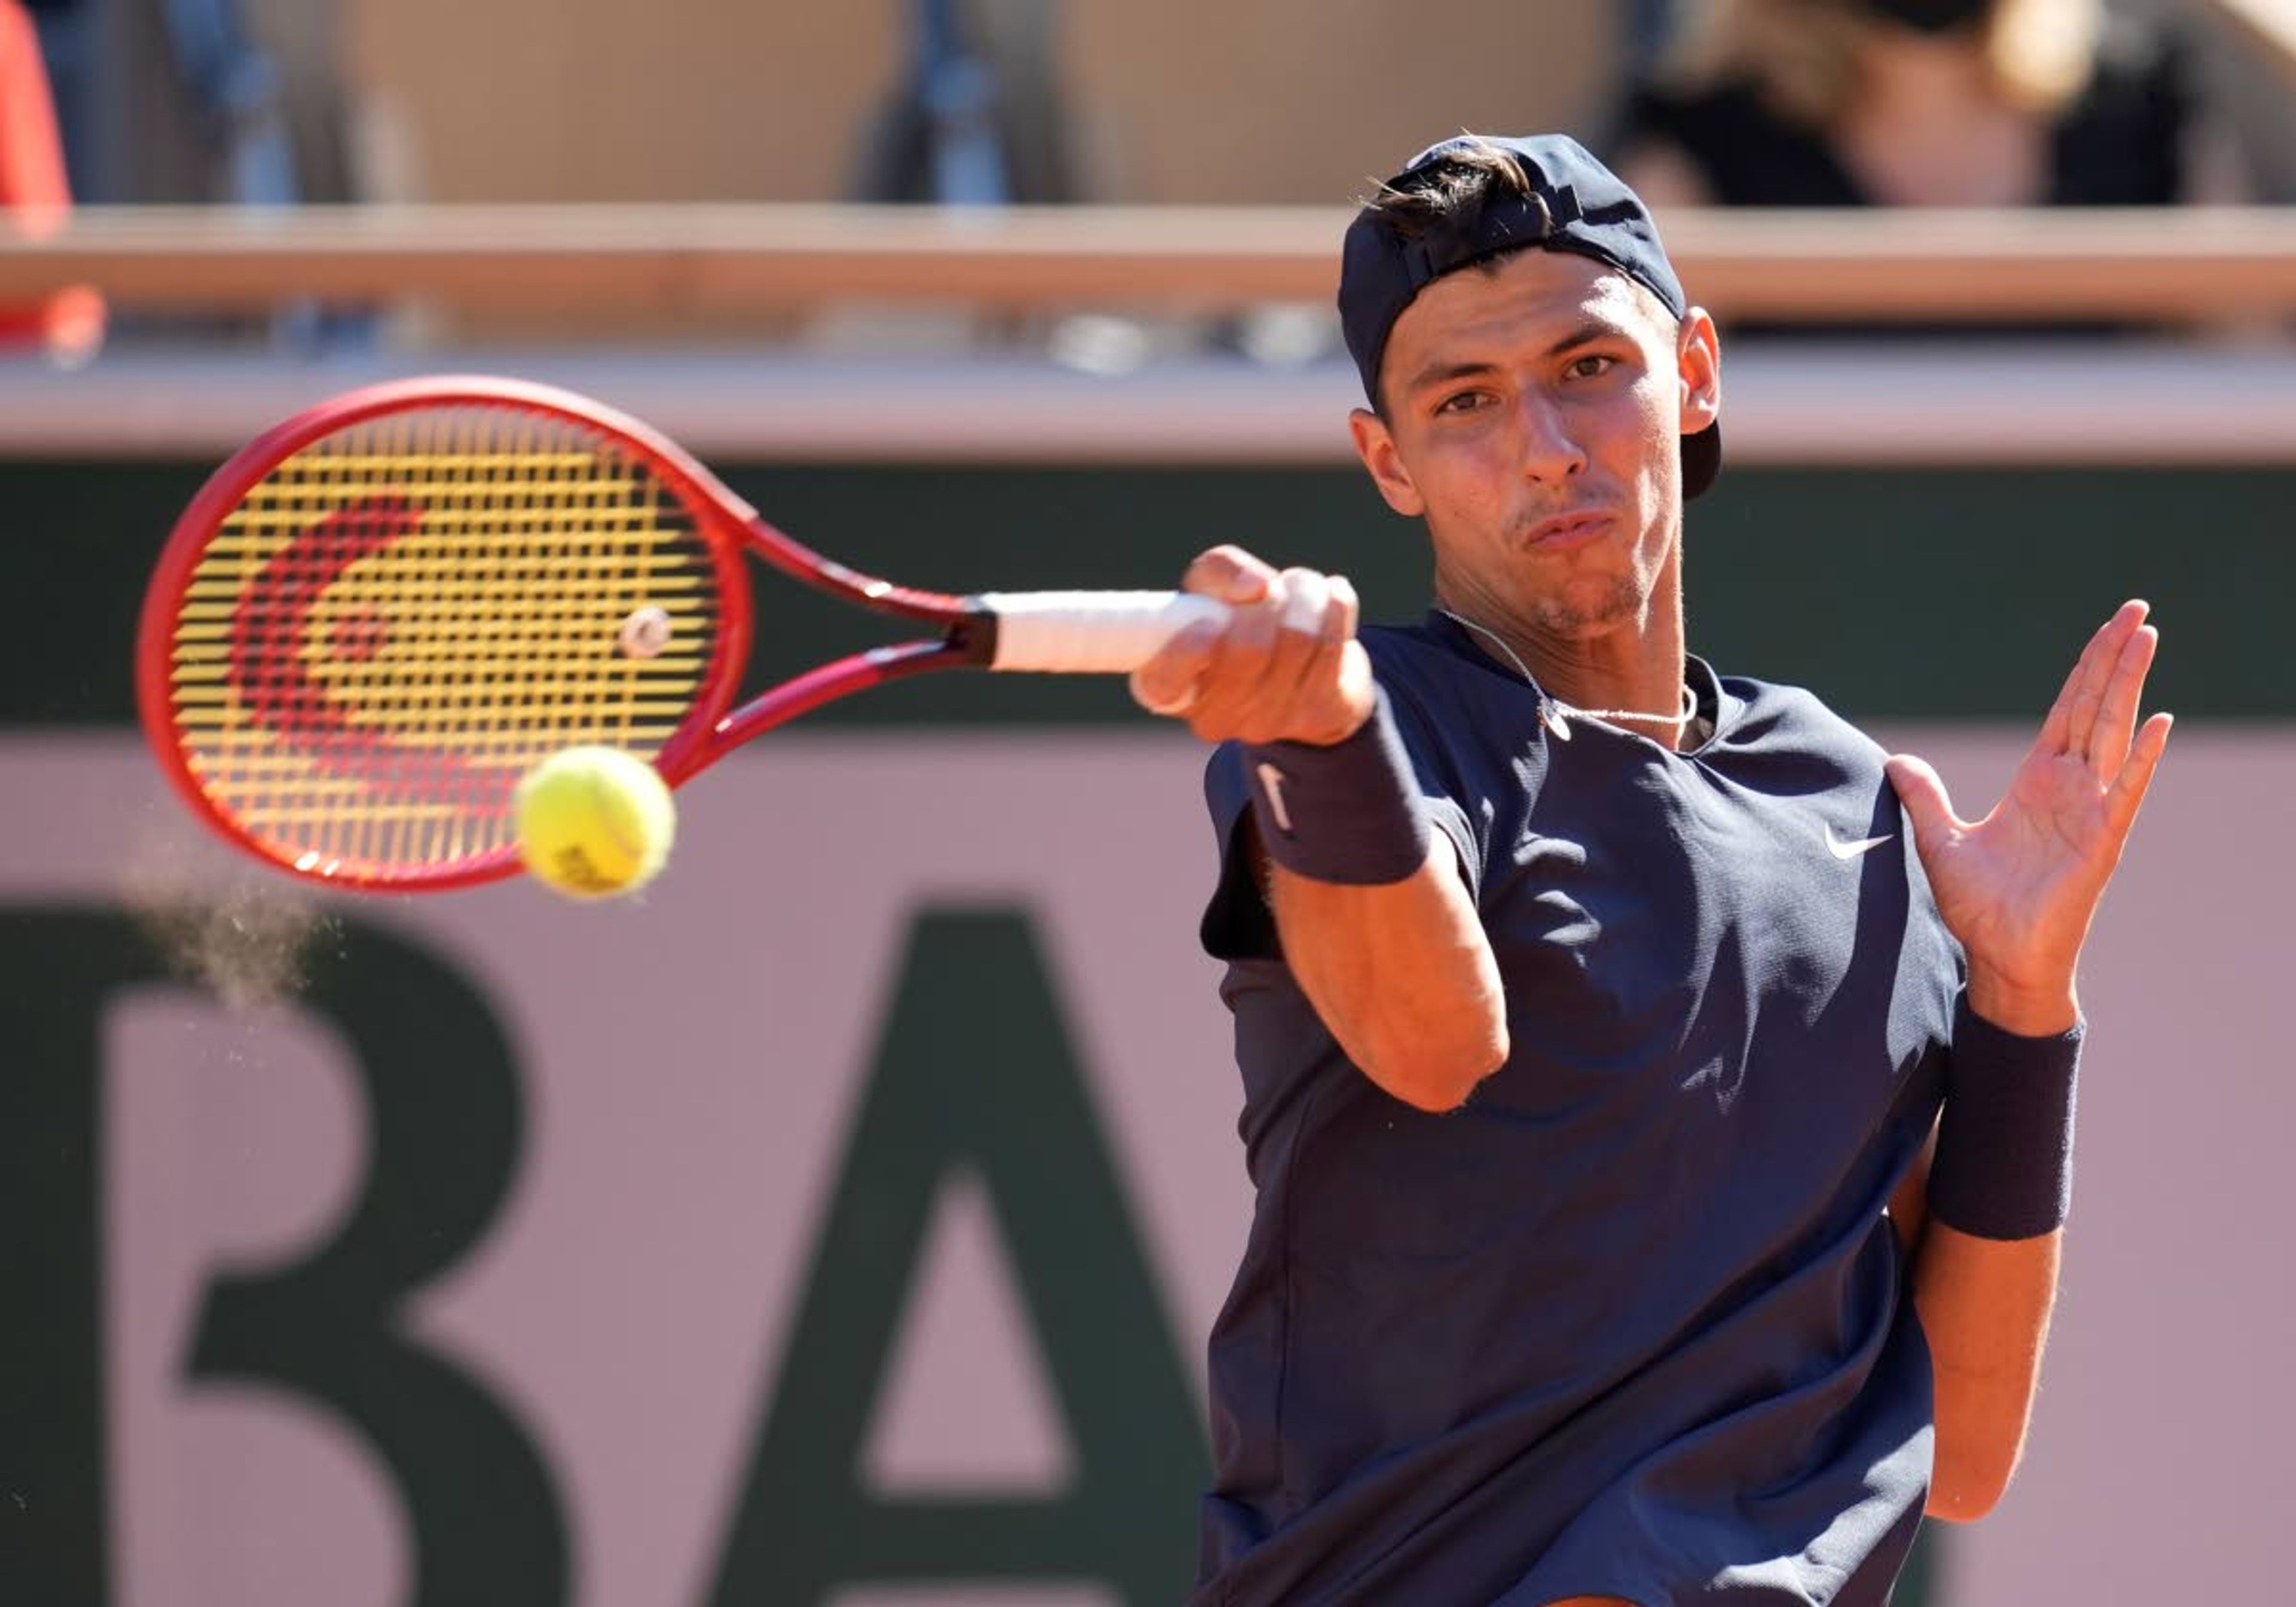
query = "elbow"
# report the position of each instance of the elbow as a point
(1437, 1078)
(1959, 1507)
(1981, 1418)
(1966, 1487)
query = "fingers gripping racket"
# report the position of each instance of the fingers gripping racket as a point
(372, 620)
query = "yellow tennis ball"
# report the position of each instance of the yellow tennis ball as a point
(594, 820)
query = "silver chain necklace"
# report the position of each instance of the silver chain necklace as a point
(1552, 710)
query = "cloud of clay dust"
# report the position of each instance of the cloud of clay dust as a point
(244, 934)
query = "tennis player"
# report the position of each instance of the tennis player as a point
(1596, 1009)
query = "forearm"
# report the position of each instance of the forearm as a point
(1995, 1196)
(1401, 974)
(1984, 1306)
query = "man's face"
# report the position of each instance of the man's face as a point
(1534, 413)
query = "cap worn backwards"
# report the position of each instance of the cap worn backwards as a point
(1574, 203)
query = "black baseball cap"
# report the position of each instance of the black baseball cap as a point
(1574, 204)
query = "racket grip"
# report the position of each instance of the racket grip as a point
(1088, 632)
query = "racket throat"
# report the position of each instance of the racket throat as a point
(971, 639)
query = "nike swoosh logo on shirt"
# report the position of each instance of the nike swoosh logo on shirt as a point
(1850, 850)
(1271, 782)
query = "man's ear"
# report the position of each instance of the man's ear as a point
(1698, 354)
(1375, 445)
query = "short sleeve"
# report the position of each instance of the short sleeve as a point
(1237, 925)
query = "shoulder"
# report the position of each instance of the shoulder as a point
(1784, 710)
(1411, 649)
(1428, 681)
(1784, 722)
(1405, 647)
(1788, 744)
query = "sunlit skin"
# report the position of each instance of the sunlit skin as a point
(1531, 415)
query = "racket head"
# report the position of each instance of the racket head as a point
(375, 618)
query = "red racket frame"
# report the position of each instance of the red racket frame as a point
(727, 524)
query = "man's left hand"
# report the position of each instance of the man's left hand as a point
(2020, 886)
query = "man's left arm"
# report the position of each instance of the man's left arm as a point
(1983, 1214)
(1985, 1306)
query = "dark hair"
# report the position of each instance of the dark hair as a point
(1450, 193)
(1448, 196)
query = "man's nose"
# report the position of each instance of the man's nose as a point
(1550, 450)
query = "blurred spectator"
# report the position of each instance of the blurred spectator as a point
(69, 326)
(972, 121)
(1921, 103)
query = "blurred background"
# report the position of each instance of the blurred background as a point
(843, 1221)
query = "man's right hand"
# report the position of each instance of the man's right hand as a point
(1285, 667)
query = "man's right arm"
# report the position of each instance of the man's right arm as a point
(1401, 974)
(1400, 971)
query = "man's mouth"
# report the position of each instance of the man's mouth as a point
(1560, 532)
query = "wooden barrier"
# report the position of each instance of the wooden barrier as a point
(704, 260)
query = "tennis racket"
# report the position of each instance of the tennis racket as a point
(374, 620)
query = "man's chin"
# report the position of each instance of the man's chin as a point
(1570, 616)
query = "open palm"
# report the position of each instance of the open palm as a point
(2020, 886)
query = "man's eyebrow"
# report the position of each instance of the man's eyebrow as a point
(1443, 373)
(1587, 332)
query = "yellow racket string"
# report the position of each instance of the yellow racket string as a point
(405, 616)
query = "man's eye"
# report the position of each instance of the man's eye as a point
(1465, 401)
(1593, 365)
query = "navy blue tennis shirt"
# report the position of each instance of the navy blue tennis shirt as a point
(1632, 1321)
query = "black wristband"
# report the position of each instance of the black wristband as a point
(2005, 1152)
(1350, 813)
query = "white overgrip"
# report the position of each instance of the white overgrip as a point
(1108, 633)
